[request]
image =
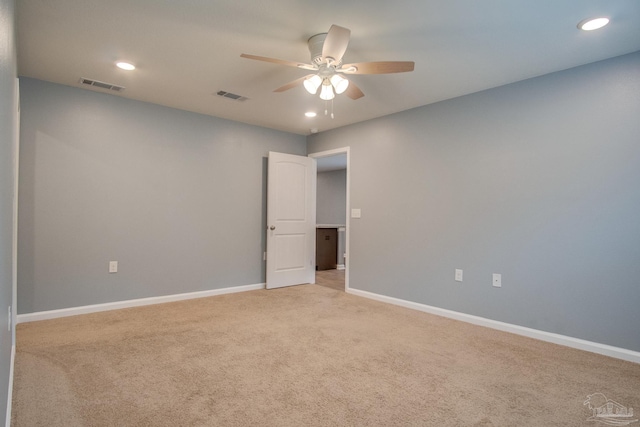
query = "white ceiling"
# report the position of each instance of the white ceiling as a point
(186, 51)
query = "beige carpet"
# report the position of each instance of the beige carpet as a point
(301, 356)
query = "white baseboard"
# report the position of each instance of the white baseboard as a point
(341, 267)
(7, 422)
(73, 311)
(604, 349)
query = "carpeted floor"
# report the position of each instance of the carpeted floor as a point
(301, 356)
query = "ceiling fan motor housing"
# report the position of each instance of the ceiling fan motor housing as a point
(315, 47)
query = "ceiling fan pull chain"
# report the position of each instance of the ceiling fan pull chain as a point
(332, 108)
(325, 108)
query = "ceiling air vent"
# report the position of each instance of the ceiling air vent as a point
(232, 96)
(101, 85)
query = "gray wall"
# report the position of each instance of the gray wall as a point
(331, 197)
(7, 131)
(538, 180)
(177, 198)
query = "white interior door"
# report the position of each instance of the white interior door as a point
(291, 220)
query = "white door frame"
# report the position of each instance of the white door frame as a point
(330, 153)
(16, 174)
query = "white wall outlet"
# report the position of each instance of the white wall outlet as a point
(497, 280)
(356, 213)
(113, 266)
(458, 276)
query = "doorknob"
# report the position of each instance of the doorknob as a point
(273, 227)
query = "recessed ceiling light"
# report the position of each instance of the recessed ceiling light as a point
(125, 66)
(310, 114)
(592, 23)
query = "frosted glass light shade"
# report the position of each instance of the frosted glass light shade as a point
(326, 92)
(312, 84)
(340, 84)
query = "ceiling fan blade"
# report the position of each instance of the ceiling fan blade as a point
(384, 67)
(335, 44)
(293, 84)
(279, 61)
(353, 91)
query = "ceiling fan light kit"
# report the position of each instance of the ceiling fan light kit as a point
(327, 50)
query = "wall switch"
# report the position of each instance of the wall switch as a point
(497, 280)
(264, 256)
(9, 322)
(356, 213)
(458, 275)
(113, 266)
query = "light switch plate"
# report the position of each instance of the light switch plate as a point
(113, 266)
(356, 213)
(458, 276)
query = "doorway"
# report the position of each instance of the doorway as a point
(333, 201)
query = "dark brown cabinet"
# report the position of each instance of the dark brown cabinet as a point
(326, 248)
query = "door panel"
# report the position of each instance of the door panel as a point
(291, 217)
(290, 191)
(290, 251)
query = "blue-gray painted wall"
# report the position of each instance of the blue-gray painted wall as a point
(331, 197)
(537, 180)
(331, 204)
(177, 198)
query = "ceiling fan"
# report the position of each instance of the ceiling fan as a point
(327, 50)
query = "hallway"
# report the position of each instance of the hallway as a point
(333, 279)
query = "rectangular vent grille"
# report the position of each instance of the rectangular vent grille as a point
(230, 95)
(101, 85)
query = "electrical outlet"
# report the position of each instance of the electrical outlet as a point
(497, 280)
(113, 266)
(458, 275)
